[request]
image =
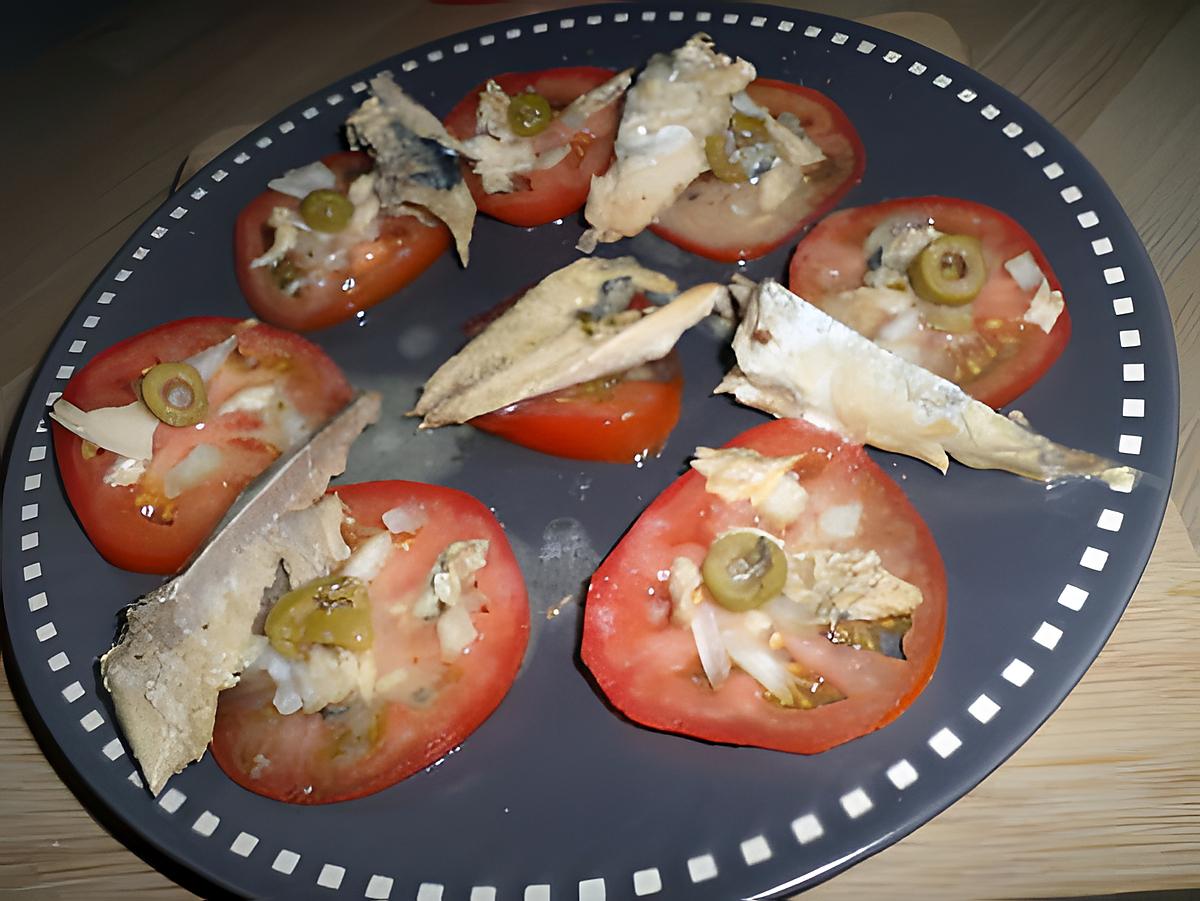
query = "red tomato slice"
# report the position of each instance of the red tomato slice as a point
(999, 356)
(334, 756)
(404, 248)
(725, 222)
(137, 527)
(615, 420)
(650, 669)
(546, 194)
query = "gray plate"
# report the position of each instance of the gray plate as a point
(556, 796)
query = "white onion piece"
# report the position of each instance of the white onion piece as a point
(903, 326)
(301, 182)
(369, 558)
(841, 521)
(288, 698)
(125, 471)
(288, 225)
(760, 663)
(713, 656)
(209, 360)
(1025, 271)
(455, 632)
(252, 400)
(790, 615)
(1045, 307)
(744, 103)
(201, 462)
(127, 431)
(786, 502)
(405, 518)
(909, 234)
(291, 425)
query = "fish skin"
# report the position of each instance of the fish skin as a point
(539, 345)
(187, 640)
(794, 360)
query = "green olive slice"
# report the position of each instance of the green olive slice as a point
(748, 129)
(529, 114)
(950, 270)
(175, 393)
(716, 150)
(744, 569)
(326, 211)
(332, 611)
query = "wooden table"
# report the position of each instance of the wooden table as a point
(1104, 798)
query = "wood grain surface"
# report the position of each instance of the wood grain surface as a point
(1104, 798)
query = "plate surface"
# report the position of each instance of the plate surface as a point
(556, 796)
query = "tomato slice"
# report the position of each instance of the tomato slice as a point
(136, 526)
(547, 194)
(431, 706)
(649, 668)
(374, 270)
(726, 222)
(997, 356)
(621, 419)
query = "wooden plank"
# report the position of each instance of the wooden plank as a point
(1067, 59)
(1144, 144)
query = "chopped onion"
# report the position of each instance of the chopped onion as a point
(682, 584)
(209, 360)
(405, 518)
(301, 182)
(1025, 271)
(790, 615)
(252, 400)
(455, 632)
(713, 656)
(369, 558)
(125, 471)
(127, 431)
(362, 189)
(201, 462)
(744, 104)
(760, 663)
(291, 425)
(899, 237)
(1045, 307)
(905, 325)
(841, 521)
(287, 232)
(786, 502)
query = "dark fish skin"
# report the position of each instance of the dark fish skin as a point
(424, 160)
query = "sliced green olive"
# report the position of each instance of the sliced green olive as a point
(332, 611)
(326, 211)
(950, 270)
(748, 129)
(717, 151)
(529, 114)
(744, 570)
(175, 393)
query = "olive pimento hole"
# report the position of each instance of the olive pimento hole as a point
(953, 266)
(178, 394)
